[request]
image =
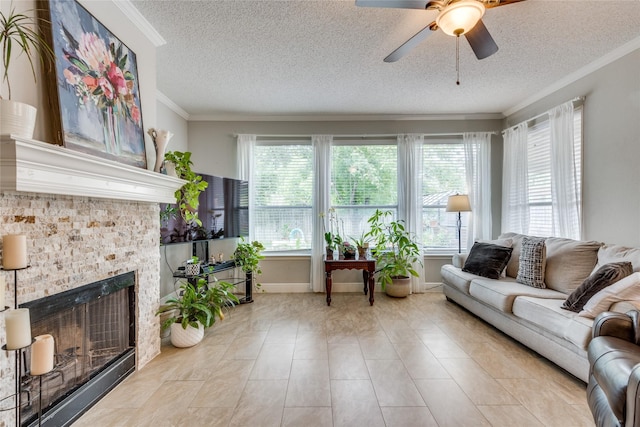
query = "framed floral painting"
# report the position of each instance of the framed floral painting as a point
(98, 94)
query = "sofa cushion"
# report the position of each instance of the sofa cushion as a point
(514, 261)
(457, 278)
(545, 313)
(487, 260)
(569, 262)
(616, 253)
(606, 275)
(501, 293)
(579, 331)
(507, 243)
(623, 290)
(532, 262)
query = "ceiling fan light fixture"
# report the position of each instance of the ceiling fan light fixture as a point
(460, 17)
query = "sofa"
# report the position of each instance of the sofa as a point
(613, 392)
(535, 316)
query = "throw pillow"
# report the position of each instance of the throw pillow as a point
(487, 260)
(606, 275)
(507, 243)
(627, 289)
(532, 262)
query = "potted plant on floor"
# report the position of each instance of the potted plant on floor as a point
(195, 309)
(17, 34)
(187, 196)
(395, 251)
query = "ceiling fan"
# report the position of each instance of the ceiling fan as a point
(456, 18)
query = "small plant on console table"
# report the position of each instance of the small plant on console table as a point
(187, 196)
(396, 252)
(247, 256)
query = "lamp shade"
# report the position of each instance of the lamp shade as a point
(460, 17)
(458, 203)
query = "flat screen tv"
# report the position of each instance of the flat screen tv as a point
(223, 210)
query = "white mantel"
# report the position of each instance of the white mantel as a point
(38, 167)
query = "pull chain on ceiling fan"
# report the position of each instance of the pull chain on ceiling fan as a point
(456, 18)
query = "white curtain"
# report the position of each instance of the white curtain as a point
(321, 204)
(566, 199)
(477, 150)
(409, 193)
(515, 188)
(245, 148)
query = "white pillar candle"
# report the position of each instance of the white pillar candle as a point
(18, 324)
(42, 355)
(3, 285)
(14, 251)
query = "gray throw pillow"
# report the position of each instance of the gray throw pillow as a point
(532, 262)
(487, 260)
(605, 276)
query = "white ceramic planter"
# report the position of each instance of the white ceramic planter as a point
(17, 118)
(186, 337)
(399, 288)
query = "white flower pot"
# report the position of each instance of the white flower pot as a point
(17, 118)
(399, 288)
(186, 337)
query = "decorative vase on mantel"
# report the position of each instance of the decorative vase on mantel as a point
(161, 140)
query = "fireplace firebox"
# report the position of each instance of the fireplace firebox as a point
(94, 331)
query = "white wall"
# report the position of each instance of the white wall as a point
(611, 200)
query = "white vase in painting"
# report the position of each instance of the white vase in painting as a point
(161, 139)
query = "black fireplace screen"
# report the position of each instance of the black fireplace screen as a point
(92, 326)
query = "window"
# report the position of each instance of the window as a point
(283, 185)
(363, 178)
(443, 175)
(539, 174)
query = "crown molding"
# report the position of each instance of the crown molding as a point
(161, 97)
(341, 117)
(38, 167)
(603, 61)
(140, 22)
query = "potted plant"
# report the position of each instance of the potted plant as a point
(187, 196)
(396, 251)
(17, 34)
(247, 256)
(332, 236)
(194, 310)
(362, 244)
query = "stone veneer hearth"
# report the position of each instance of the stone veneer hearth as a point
(73, 241)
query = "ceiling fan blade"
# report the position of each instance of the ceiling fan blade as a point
(400, 4)
(414, 41)
(481, 41)
(496, 3)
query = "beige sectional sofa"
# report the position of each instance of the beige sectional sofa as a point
(534, 316)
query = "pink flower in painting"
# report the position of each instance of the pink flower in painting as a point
(98, 72)
(116, 77)
(135, 114)
(93, 51)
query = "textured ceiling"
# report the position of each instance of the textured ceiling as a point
(235, 59)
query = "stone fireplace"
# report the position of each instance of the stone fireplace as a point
(74, 239)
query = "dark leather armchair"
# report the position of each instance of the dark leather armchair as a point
(613, 392)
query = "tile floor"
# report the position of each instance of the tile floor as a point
(289, 360)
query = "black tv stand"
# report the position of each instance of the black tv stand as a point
(211, 269)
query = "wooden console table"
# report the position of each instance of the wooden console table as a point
(368, 267)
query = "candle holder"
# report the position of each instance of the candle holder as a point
(40, 397)
(18, 352)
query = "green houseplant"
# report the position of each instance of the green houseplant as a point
(396, 252)
(187, 196)
(195, 309)
(247, 256)
(17, 34)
